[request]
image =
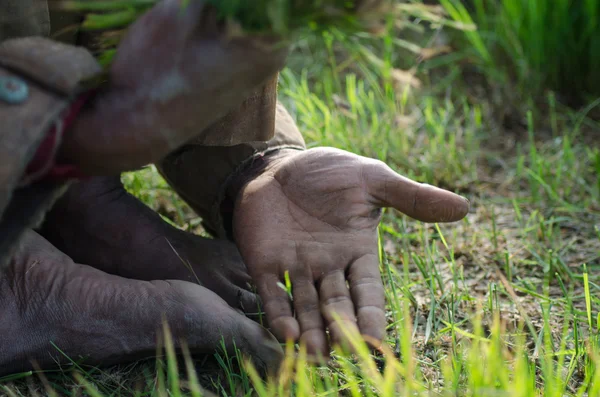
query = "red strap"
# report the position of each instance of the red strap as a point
(43, 166)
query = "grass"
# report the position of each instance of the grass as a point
(504, 303)
(542, 45)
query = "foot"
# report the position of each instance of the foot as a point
(97, 222)
(47, 301)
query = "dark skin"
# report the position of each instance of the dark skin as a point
(175, 73)
(312, 213)
(98, 223)
(111, 311)
(320, 206)
(96, 318)
(326, 205)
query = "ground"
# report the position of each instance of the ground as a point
(503, 303)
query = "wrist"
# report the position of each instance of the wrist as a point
(257, 166)
(97, 140)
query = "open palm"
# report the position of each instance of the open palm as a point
(315, 214)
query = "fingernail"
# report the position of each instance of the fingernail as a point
(468, 203)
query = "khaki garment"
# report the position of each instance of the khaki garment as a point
(51, 72)
(199, 171)
(23, 18)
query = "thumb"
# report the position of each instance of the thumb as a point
(420, 201)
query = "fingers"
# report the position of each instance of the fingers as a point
(187, 13)
(419, 201)
(174, 21)
(332, 306)
(366, 288)
(247, 299)
(308, 313)
(336, 301)
(249, 302)
(276, 305)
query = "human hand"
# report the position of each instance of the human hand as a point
(315, 214)
(174, 74)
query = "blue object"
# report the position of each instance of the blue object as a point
(13, 90)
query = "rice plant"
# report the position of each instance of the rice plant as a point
(540, 44)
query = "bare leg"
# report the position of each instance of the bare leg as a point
(104, 319)
(97, 222)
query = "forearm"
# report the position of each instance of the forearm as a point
(117, 132)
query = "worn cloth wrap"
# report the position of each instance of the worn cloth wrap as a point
(52, 72)
(199, 171)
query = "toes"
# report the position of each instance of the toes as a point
(263, 349)
(210, 321)
(248, 302)
(109, 319)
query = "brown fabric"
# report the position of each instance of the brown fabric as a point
(25, 125)
(200, 174)
(57, 66)
(23, 128)
(26, 210)
(201, 170)
(64, 27)
(253, 121)
(20, 18)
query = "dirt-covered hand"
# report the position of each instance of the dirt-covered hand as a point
(175, 73)
(315, 214)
